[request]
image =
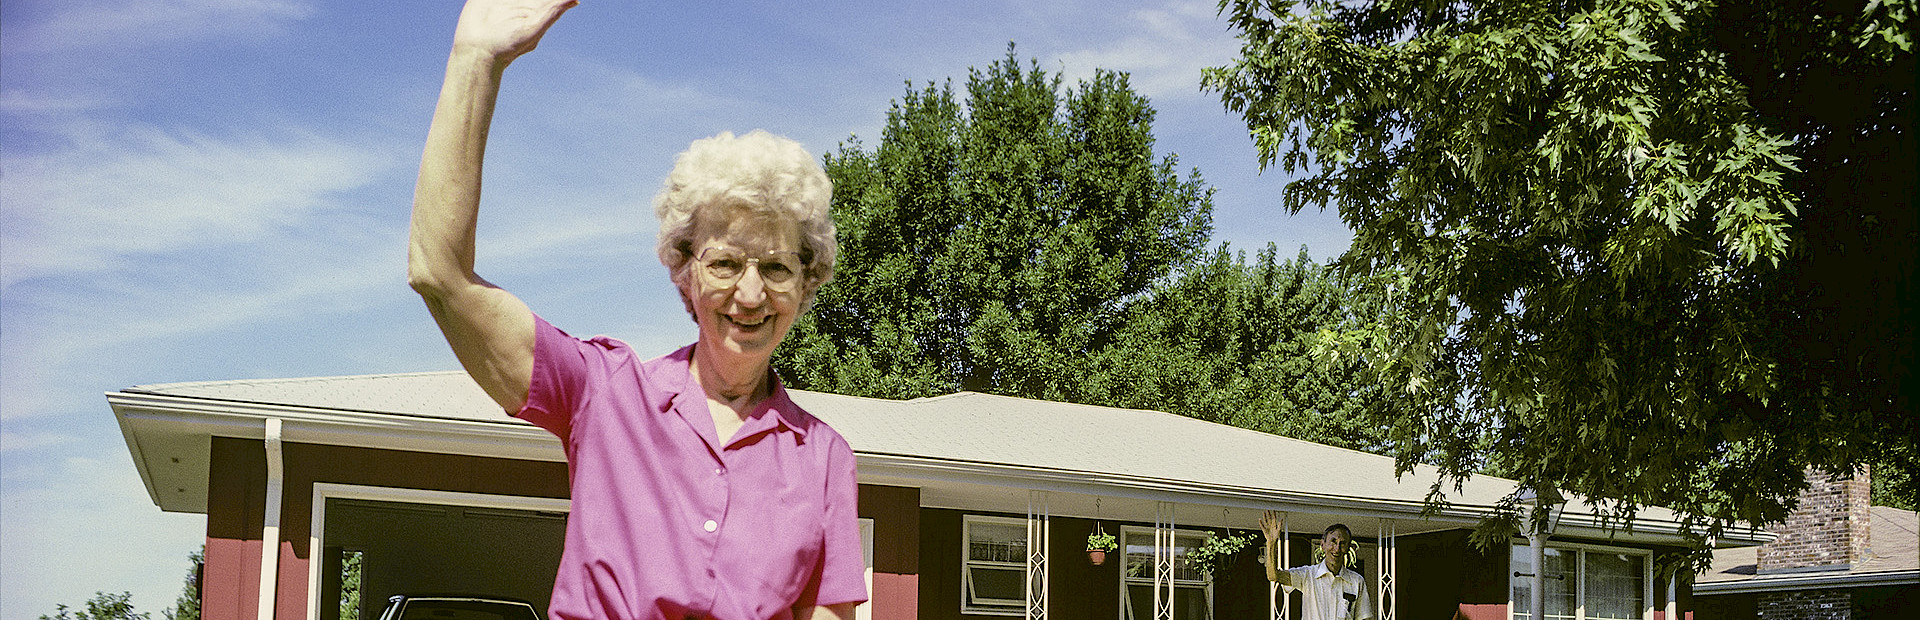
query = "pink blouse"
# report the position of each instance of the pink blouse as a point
(668, 523)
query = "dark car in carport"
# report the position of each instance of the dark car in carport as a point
(457, 607)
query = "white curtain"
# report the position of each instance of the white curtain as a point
(1615, 585)
(1560, 580)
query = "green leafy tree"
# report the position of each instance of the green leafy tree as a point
(1030, 243)
(1235, 343)
(187, 605)
(102, 606)
(989, 246)
(1649, 251)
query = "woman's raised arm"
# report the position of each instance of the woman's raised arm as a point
(491, 331)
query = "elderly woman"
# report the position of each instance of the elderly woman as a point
(699, 490)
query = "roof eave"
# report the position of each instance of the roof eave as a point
(166, 434)
(167, 437)
(1808, 581)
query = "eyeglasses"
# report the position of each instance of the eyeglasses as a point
(723, 267)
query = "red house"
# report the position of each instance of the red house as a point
(977, 506)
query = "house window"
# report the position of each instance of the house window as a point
(1191, 595)
(1584, 583)
(992, 581)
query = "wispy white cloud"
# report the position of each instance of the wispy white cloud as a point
(1163, 48)
(113, 196)
(112, 235)
(24, 105)
(132, 239)
(70, 339)
(137, 24)
(591, 96)
(13, 442)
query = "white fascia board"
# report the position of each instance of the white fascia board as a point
(1808, 581)
(167, 436)
(1149, 489)
(906, 467)
(503, 439)
(1645, 529)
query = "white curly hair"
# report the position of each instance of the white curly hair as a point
(761, 173)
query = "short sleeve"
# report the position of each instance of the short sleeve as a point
(1366, 601)
(562, 370)
(1301, 576)
(841, 576)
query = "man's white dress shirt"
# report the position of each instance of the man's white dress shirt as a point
(1329, 596)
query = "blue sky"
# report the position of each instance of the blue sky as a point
(218, 189)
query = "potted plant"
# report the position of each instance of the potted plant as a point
(1098, 544)
(1217, 553)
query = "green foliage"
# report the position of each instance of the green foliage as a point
(350, 571)
(1101, 542)
(102, 606)
(1031, 243)
(988, 248)
(1236, 343)
(1217, 553)
(1649, 251)
(1891, 487)
(187, 605)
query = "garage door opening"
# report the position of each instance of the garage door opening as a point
(372, 549)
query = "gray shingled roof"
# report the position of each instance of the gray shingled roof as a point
(1064, 436)
(965, 427)
(1893, 555)
(973, 443)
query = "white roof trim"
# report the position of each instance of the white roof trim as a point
(1808, 581)
(167, 436)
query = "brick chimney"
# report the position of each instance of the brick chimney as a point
(1828, 530)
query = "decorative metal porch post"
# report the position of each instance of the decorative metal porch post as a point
(1039, 517)
(1387, 557)
(1279, 603)
(1162, 561)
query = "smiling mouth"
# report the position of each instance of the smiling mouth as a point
(750, 323)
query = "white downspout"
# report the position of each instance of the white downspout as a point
(1673, 595)
(270, 527)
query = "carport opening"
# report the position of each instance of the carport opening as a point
(374, 549)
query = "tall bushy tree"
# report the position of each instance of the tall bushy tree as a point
(1026, 240)
(1650, 251)
(990, 246)
(1240, 344)
(187, 605)
(103, 606)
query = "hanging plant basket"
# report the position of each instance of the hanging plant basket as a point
(1214, 556)
(1099, 543)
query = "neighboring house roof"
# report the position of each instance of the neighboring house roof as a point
(1893, 557)
(962, 450)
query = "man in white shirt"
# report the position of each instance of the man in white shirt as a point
(1333, 591)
